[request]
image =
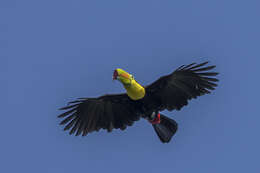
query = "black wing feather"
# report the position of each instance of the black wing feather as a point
(174, 90)
(92, 114)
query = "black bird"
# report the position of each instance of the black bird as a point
(118, 111)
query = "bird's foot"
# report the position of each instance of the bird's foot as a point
(155, 119)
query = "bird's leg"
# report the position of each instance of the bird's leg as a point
(154, 118)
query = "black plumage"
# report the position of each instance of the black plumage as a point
(118, 111)
(165, 129)
(174, 90)
(106, 112)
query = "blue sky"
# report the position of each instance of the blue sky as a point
(54, 51)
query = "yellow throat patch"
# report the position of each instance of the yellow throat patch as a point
(133, 89)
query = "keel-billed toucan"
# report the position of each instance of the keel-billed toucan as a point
(118, 111)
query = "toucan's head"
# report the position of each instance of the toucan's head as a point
(122, 76)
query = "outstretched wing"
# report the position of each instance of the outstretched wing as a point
(91, 114)
(174, 90)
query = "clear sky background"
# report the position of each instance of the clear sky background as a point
(54, 51)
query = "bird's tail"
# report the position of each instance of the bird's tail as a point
(165, 128)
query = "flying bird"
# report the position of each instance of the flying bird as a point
(117, 111)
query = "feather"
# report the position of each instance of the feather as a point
(66, 120)
(80, 128)
(210, 79)
(68, 107)
(75, 127)
(208, 74)
(205, 68)
(66, 113)
(68, 126)
(85, 130)
(187, 66)
(199, 65)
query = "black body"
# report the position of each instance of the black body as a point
(170, 92)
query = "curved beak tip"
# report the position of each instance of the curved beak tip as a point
(115, 74)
